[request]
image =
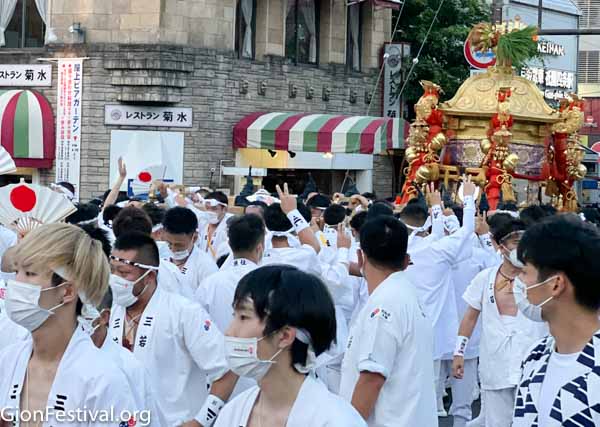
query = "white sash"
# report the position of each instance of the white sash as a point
(59, 397)
(145, 329)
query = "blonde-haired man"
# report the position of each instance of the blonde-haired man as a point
(59, 375)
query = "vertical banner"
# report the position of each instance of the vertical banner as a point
(68, 121)
(392, 79)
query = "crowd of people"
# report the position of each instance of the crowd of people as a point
(313, 311)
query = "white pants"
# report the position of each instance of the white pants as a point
(480, 420)
(462, 390)
(499, 406)
(462, 393)
(439, 377)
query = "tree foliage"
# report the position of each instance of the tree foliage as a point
(442, 60)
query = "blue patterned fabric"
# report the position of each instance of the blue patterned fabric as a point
(577, 403)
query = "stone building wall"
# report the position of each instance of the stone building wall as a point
(211, 24)
(210, 82)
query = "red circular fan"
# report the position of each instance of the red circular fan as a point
(23, 198)
(145, 176)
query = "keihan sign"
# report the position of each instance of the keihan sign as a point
(549, 48)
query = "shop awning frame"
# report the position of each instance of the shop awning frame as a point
(27, 128)
(322, 133)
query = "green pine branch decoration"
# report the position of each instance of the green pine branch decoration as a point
(516, 47)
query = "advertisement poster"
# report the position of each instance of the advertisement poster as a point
(68, 121)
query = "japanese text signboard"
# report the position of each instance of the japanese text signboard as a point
(68, 121)
(25, 75)
(139, 115)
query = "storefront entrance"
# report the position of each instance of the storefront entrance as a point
(328, 181)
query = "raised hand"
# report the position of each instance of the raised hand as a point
(481, 225)
(468, 186)
(432, 195)
(288, 201)
(343, 240)
(122, 168)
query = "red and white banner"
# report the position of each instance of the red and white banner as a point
(68, 121)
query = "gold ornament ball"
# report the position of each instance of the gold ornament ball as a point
(581, 171)
(410, 154)
(511, 162)
(423, 174)
(485, 145)
(438, 142)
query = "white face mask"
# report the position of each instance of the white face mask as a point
(22, 304)
(122, 289)
(513, 258)
(529, 310)
(242, 357)
(180, 255)
(213, 218)
(89, 314)
(163, 249)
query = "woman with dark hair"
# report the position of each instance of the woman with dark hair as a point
(284, 319)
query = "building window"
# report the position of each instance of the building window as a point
(24, 25)
(245, 37)
(302, 31)
(354, 36)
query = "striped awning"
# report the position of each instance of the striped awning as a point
(322, 133)
(27, 128)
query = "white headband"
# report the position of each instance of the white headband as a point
(311, 358)
(283, 233)
(214, 203)
(88, 221)
(157, 227)
(68, 193)
(420, 229)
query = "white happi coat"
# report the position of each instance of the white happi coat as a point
(181, 349)
(85, 380)
(463, 272)
(577, 402)
(315, 406)
(138, 379)
(304, 258)
(218, 239)
(197, 268)
(171, 279)
(431, 273)
(502, 348)
(392, 337)
(216, 292)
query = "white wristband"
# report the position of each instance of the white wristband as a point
(297, 220)
(461, 346)
(210, 410)
(469, 202)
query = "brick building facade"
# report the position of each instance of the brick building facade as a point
(183, 53)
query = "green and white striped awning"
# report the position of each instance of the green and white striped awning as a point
(322, 133)
(27, 128)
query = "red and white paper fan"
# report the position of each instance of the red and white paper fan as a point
(144, 179)
(7, 164)
(24, 207)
